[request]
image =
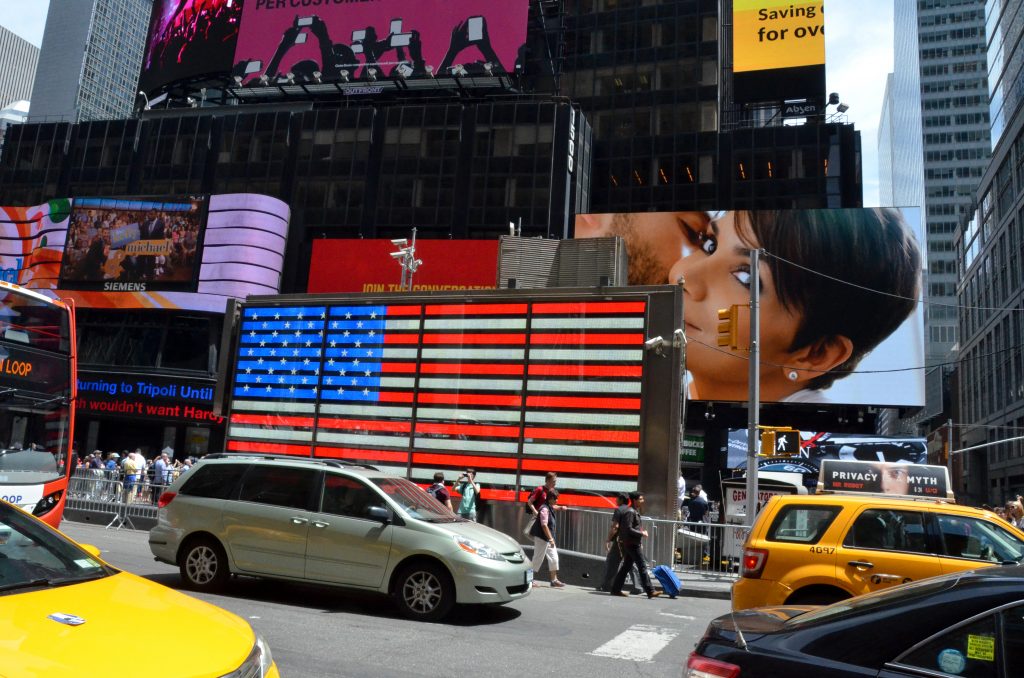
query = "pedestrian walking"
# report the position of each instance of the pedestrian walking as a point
(469, 490)
(537, 499)
(614, 556)
(543, 533)
(161, 468)
(439, 491)
(697, 507)
(630, 537)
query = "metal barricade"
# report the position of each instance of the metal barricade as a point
(108, 493)
(712, 549)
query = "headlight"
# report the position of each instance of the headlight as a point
(476, 547)
(257, 664)
(46, 504)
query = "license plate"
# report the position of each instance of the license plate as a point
(529, 577)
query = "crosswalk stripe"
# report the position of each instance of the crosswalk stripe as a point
(638, 643)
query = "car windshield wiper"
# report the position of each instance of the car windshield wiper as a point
(31, 583)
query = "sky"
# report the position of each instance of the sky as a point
(858, 56)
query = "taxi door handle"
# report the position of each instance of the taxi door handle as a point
(299, 521)
(861, 563)
(320, 523)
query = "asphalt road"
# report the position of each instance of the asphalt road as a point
(318, 631)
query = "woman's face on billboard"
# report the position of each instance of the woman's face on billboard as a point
(716, 270)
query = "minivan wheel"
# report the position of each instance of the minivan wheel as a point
(204, 565)
(425, 591)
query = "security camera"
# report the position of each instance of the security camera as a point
(399, 242)
(397, 256)
(654, 343)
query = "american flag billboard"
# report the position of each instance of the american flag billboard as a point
(511, 386)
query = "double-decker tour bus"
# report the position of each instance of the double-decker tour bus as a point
(37, 395)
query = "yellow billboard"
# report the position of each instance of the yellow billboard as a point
(773, 34)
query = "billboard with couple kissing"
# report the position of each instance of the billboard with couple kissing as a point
(841, 310)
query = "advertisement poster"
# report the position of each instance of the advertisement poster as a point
(778, 49)
(818, 446)
(880, 477)
(835, 328)
(188, 38)
(349, 265)
(329, 41)
(133, 245)
(242, 253)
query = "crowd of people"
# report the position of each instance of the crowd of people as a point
(196, 32)
(141, 478)
(96, 238)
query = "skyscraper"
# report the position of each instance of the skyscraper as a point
(89, 61)
(991, 288)
(937, 106)
(18, 59)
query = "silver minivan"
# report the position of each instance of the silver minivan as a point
(322, 521)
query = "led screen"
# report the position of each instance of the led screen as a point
(242, 253)
(511, 386)
(133, 245)
(841, 316)
(778, 50)
(189, 38)
(337, 41)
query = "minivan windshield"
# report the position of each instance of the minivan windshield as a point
(416, 502)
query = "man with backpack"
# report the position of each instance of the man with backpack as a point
(439, 491)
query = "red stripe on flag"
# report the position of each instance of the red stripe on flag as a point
(355, 453)
(490, 338)
(621, 307)
(268, 448)
(366, 425)
(587, 370)
(461, 460)
(587, 338)
(470, 368)
(402, 310)
(398, 368)
(394, 397)
(476, 309)
(395, 338)
(583, 402)
(582, 434)
(270, 420)
(468, 429)
(468, 399)
(591, 467)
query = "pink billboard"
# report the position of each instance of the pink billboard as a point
(341, 41)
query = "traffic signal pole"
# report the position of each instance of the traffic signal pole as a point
(754, 399)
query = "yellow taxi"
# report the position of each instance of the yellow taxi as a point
(63, 611)
(817, 549)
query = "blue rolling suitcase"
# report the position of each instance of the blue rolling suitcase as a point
(668, 580)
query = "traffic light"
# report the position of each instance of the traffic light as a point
(767, 443)
(728, 326)
(787, 443)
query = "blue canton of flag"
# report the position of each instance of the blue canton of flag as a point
(279, 355)
(353, 353)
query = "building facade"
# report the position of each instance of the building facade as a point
(989, 249)
(89, 61)
(18, 59)
(939, 108)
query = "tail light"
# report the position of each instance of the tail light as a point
(702, 667)
(165, 499)
(754, 561)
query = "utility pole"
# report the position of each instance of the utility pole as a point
(754, 398)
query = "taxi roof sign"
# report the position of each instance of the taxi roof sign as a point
(911, 481)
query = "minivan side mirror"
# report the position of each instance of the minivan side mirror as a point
(379, 513)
